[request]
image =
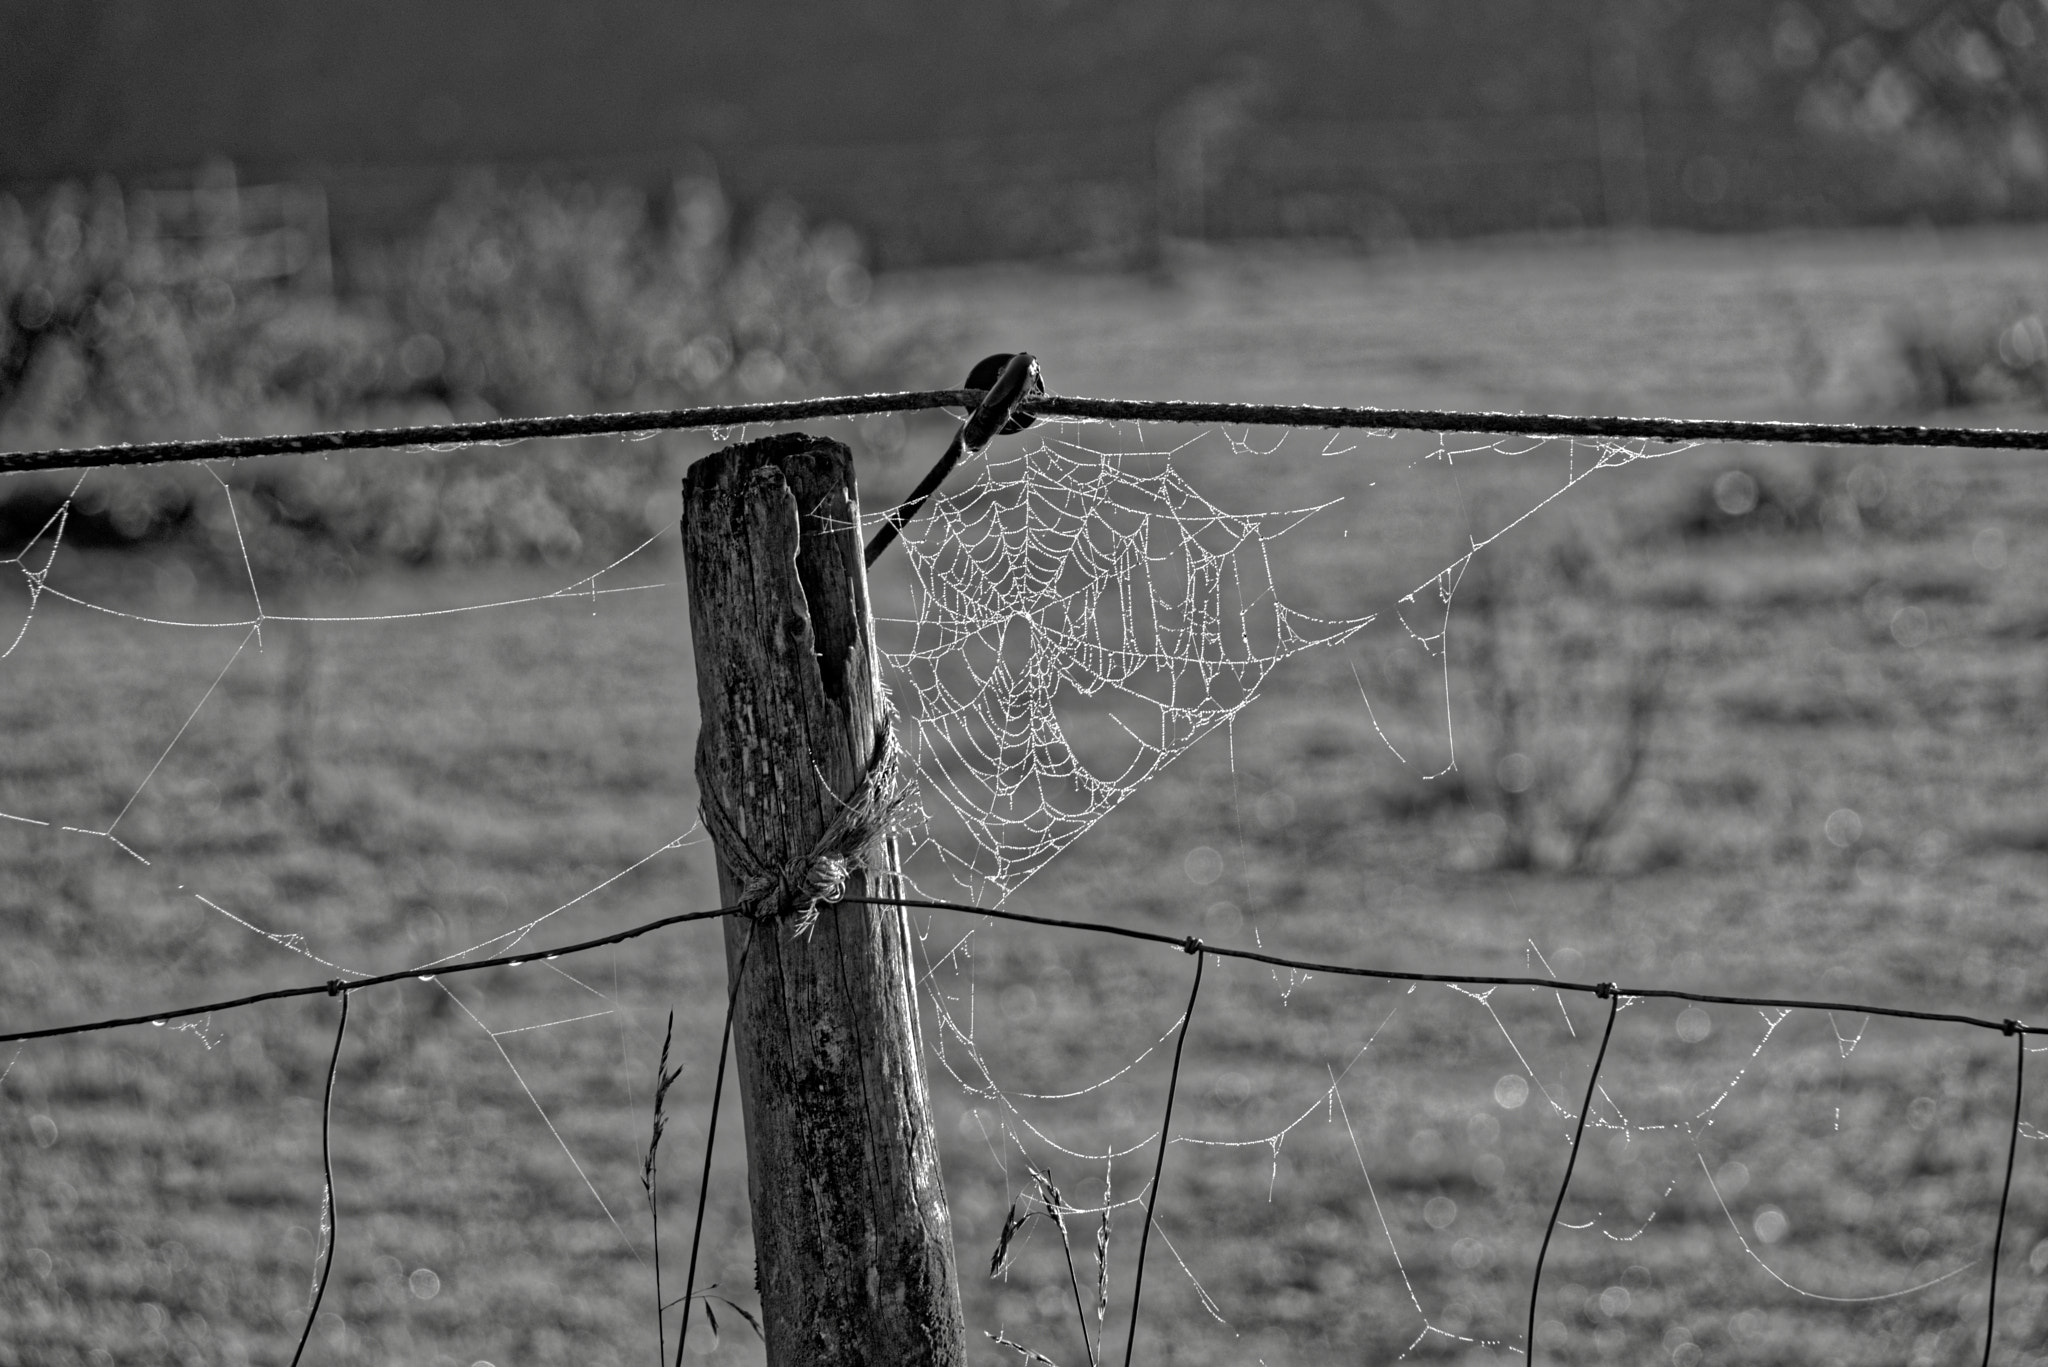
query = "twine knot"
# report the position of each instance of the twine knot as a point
(1603, 990)
(2012, 1027)
(851, 844)
(1191, 945)
(334, 987)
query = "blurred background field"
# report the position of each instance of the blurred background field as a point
(1091, 128)
(1736, 720)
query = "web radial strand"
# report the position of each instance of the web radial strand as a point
(1080, 619)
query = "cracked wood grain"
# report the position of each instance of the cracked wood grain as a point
(852, 1235)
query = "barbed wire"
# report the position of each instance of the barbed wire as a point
(504, 431)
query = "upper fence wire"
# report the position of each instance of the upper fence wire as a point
(732, 416)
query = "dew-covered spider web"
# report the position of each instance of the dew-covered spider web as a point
(1083, 612)
(1063, 579)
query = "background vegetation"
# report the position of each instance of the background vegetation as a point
(538, 298)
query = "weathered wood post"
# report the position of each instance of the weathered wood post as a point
(853, 1242)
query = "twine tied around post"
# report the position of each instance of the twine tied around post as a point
(853, 842)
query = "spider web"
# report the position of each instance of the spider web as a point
(1081, 617)
(1069, 596)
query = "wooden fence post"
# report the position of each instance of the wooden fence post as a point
(853, 1242)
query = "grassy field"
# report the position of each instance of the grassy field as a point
(1838, 797)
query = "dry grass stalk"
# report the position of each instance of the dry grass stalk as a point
(664, 1079)
(753, 1321)
(1054, 1206)
(999, 1261)
(1030, 1355)
(649, 1181)
(1102, 1264)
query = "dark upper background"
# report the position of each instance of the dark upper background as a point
(949, 132)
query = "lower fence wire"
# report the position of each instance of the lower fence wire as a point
(1611, 992)
(332, 986)
(1571, 1161)
(326, 1181)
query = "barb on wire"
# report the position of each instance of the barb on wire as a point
(1194, 947)
(333, 1220)
(1571, 1161)
(504, 430)
(2019, 1088)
